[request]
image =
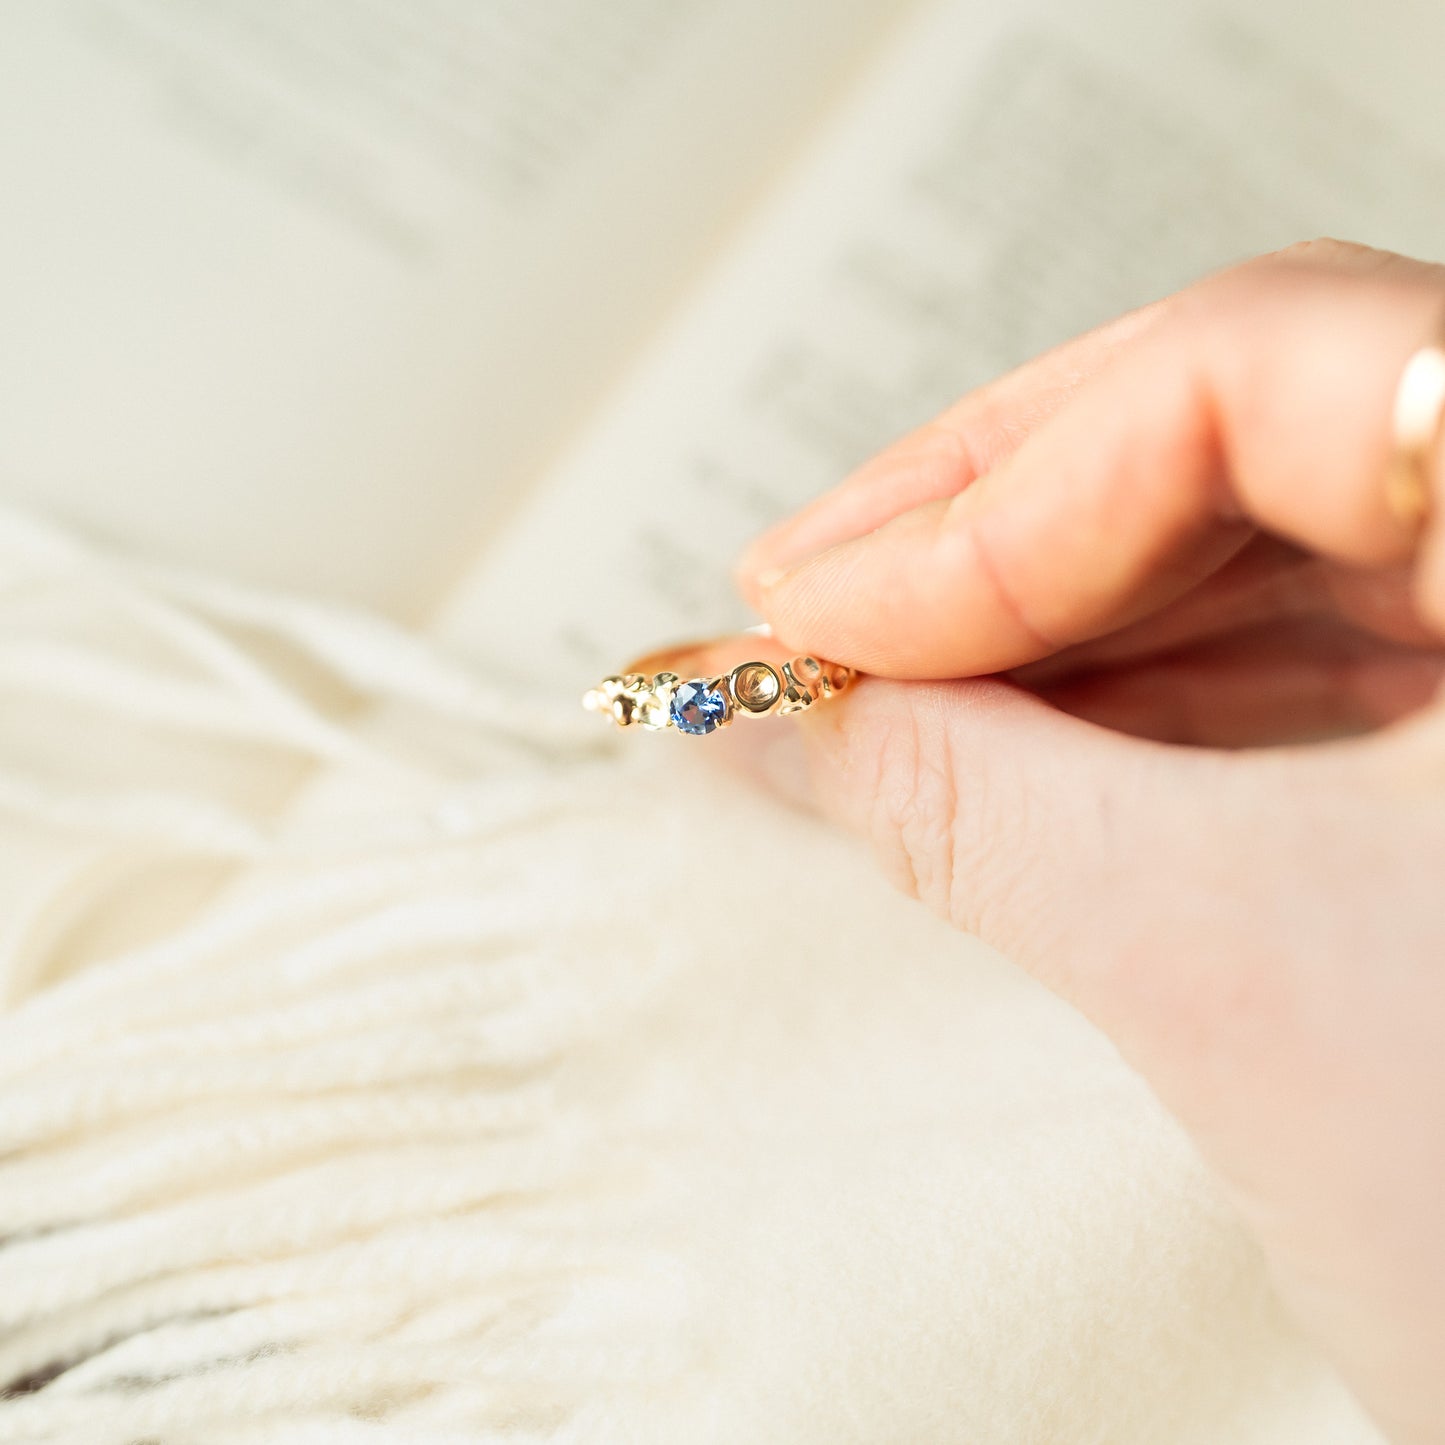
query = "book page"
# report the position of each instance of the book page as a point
(1002, 183)
(309, 292)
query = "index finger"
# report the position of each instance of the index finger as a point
(1260, 402)
(945, 455)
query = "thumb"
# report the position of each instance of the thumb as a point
(1068, 847)
(1203, 909)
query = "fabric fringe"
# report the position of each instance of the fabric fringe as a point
(291, 1159)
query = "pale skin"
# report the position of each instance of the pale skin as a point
(1152, 706)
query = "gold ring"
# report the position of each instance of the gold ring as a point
(1418, 417)
(656, 692)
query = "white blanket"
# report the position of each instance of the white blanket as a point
(382, 1062)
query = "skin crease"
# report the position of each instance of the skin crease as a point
(1202, 792)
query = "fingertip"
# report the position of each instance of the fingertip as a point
(770, 578)
(755, 568)
(933, 463)
(912, 600)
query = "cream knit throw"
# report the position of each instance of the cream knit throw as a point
(374, 1070)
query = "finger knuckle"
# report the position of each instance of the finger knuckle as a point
(915, 809)
(949, 833)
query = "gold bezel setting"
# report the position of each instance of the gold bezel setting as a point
(756, 688)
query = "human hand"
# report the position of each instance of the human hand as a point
(1174, 531)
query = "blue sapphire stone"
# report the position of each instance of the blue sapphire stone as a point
(698, 708)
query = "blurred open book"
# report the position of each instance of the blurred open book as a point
(519, 318)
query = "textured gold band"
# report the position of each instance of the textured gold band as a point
(654, 692)
(1419, 414)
